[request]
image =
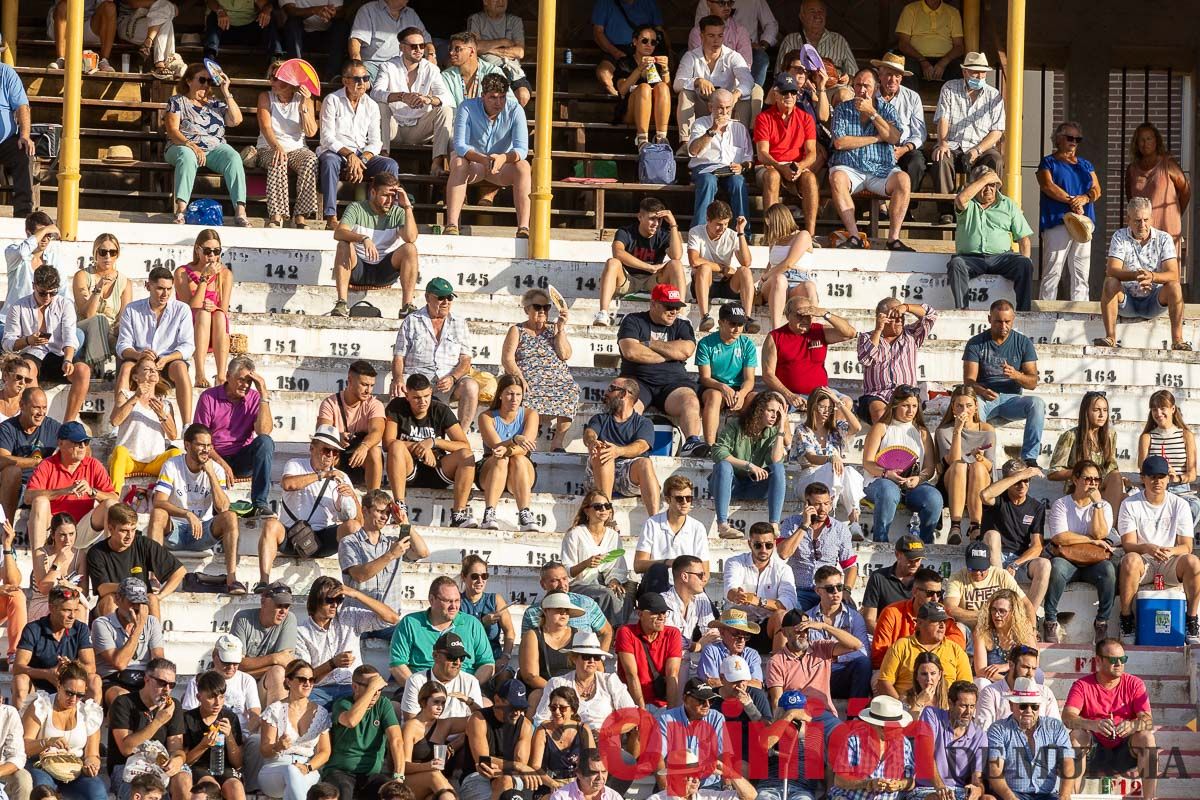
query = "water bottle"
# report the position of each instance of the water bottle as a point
(568, 56)
(914, 525)
(216, 756)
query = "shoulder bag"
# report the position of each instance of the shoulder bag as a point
(301, 538)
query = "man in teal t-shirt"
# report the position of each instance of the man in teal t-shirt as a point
(363, 725)
(726, 360)
(376, 243)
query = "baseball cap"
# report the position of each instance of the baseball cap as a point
(515, 693)
(735, 668)
(793, 700)
(793, 618)
(328, 436)
(668, 295)
(978, 556)
(278, 592)
(1154, 465)
(732, 312)
(911, 546)
(932, 612)
(74, 432)
(134, 590)
(652, 602)
(1013, 466)
(786, 82)
(699, 690)
(451, 644)
(229, 649)
(440, 288)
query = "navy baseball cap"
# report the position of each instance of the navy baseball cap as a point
(786, 82)
(1153, 465)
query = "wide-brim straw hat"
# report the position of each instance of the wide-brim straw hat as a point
(1079, 227)
(892, 60)
(118, 154)
(736, 620)
(977, 62)
(884, 711)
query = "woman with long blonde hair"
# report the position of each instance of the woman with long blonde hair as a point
(1002, 624)
(966, 444)
(790, 259)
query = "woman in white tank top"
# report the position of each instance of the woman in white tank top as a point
(900, 460)
(286, 115)
(791, 260)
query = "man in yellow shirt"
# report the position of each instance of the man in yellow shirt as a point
(896, 674)
(931, 31)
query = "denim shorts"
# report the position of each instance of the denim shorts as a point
(1146, 307)
(180, 536)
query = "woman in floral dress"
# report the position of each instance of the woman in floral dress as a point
(538, 352)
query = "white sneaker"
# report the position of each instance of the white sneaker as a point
(58, 63)
(104, 66)
(489, 520)
(707, 323)
(602, 319)
(526, 520)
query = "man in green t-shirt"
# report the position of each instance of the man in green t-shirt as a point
(726, 360)
(988, 224)
(362, 725)
(377, 241)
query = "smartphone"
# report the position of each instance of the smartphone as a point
(485, 760)
(405, 532)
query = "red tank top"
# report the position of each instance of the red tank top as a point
(800, 358)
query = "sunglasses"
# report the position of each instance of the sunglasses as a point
(452, 659)
(763, 545)
(76, 695)
(602, 506)
(560, 707)
(304, 679)
(695, 574)
(683, 498)
(791, 93)
(739, 634)
(203, 80)
(105, 253)
(833, 588)
(590, 657)
(358, 78)
(336, 600)
(1028, 706)
(46, 292)
(648, 41)
(1073, 139)
(1090, 478)
(615, 388)
(1115, 660)
(211, 251)
(415, 45)
(936, 594)
(543, 307)
(161, 682)
(478, 576)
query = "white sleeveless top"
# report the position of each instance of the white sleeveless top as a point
(285, 122)
(801, 270)
(905, 436)
(88, 719)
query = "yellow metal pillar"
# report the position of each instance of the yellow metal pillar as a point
(8, 28)
(1014, 99)
(970, 19)
(68, 154)
(539, 224)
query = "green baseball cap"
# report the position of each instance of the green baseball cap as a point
(440, 287)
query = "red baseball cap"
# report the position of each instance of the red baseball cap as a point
(668, 295)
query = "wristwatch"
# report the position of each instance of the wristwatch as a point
(826, 316)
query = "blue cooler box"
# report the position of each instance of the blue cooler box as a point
(1159, 616)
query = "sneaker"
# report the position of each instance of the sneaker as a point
(104, 66)
(602, 319)
(1193, 630)
(489, 520)
(1128, 629)
(263, 512)
(752, 326)
(1100, 629)
(1050, 631)
(526, 521)
(955, 536)
(694, 447)
(340, 309)
(463, 518)
(727, 531)
(408, 309)
(58, 63)
(707, 323)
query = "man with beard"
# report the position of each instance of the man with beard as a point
(760, 584)
(1022, 663)
(806, 665)
(463, 692)
(1010, 742)
(891, 585)
(851, 675)
(268, 637)
(126, 640)
(617, 441)
(958, 748)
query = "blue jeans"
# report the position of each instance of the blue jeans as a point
(760, 61)
(1012, 407)
(330, 693)
(806, 598)
(329, 172)
(1103, 576)
(851, 678)
(255, 460)
(706, 184)
(81, 788)
(925, 499)
(798, 789)
(249, 34)
(724, 484)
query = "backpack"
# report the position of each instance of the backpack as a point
(205, 212)
(656, 164)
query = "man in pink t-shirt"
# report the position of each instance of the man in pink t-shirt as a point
(358, 416)
(1108, 714)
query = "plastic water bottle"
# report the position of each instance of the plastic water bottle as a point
(914, 525)
(568, 56)
(216, 756)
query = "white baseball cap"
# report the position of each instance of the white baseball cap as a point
(735, 668)
(229, 649)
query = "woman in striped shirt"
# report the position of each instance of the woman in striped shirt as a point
(1167, 435)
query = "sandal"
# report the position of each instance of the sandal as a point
(899, 246)
(1181, 345)
(242, 222)
(180, 218)
(850, 243)
(450, 230)
(523, 233)
(1104, 341)
(236, 588)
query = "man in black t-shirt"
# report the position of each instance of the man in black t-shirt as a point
(1013, 523)
(142, 716)
(645, 253)
(655, 348)
(124, 554)
(428, 449)
(891, 585)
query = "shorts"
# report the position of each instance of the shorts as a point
(1022, 573)
(1111, 760)
(623, 485)
(179, 537)
(50, 369)
(445, 396)
(719, 289)
(357, 475)
(327, 539)
(656, 394)
(862, 406)
(1169, 569)
(862, 182)
(1146, 307)
(379, 273)
(424, 476)
(89, 35)
(637, 282)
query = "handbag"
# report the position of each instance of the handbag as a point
(300, 536)
(62, 767)
(47, 137)
(1080, 550)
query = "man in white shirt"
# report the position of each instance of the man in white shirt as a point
(463, 695)
(351, 138)
(970, 124)
(993, 706)
(412, 89)
(190, 508)
(1157, 532)
(671, 533)
(1141, 278)
(17, 783)
(761, 584)
(375, 34)
(316, 26)
(41, 326)
(711, 249)
(761, 26)
(688, 607)
(330, 638)
(591, 778)
(720, 152)
(709, 67)
(161, 327)
(39, 247)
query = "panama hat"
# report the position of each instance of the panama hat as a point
(586, 643)
(977, 62)
(884, 711)
(562, 602)
(736, 620)
(891, 60)
(1079, 227)
(118, 154)
(1025, 690)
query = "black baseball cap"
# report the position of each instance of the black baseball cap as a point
(652, 602)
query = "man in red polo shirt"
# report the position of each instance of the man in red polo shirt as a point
(71, 481)
(649, 653)
(793, 355)
(785, 141)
